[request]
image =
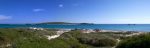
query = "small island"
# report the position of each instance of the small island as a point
(64, 23)
(55, 23)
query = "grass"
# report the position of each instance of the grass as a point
(23, 38)
(140, 41)
(28, 38)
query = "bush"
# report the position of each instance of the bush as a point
(98, 42)
(141, 41)
(92, 39)
(26, 38)
(22, 38)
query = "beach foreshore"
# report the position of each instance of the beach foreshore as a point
(85, 30)
(61, 31)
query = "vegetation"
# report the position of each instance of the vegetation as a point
(84, 40)
(29, 38)
(141, 41)
(23, 38)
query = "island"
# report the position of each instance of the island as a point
(63, 23)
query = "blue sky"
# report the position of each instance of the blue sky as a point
(89, 11)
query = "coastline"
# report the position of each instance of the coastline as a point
(61, 31)
(88, 30)
(113, 27)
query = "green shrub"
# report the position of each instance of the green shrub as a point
(23, 38)
(91, 39)
(27, 38)
(141, 41)
(98, 42)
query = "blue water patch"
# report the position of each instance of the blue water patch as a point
(125, 27)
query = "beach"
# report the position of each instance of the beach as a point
(61, 31)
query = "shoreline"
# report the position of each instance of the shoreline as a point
(114, 27)
(91, 30)
(61, 31)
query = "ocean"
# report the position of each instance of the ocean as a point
(123, 27)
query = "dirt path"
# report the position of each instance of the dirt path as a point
(55, 36)
(118, 41)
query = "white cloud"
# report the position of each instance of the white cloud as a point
(38, 10)
(61, 5)
(3, 17)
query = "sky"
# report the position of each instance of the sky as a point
(75, 11)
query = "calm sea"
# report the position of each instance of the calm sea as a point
(125, 27)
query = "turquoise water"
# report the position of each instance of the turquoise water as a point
(125, 27)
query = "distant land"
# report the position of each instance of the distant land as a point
(62, 23)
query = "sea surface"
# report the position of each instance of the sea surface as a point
(124, 27)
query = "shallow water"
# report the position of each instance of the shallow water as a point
(125, 27)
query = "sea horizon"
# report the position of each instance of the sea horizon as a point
(122, 27)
